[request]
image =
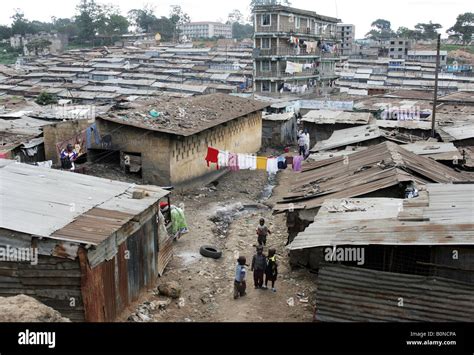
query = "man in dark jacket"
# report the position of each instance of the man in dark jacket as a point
(259, 264)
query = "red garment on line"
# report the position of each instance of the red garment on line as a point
(212, 155)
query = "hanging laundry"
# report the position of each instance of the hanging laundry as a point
(292, 68)
(282, 163)
(212, 156)
(307, 66)
(262, 163)
(272, 165)
(297, 162)
(311, 46)
(92, 130)
(234, 162)
(223, 159)
(247, 162)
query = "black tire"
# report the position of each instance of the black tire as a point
(210, 251)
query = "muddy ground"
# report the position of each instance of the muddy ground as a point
(207, 284)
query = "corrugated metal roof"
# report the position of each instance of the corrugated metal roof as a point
(441, 215)
(434, 150)
(456, 133)
(40, 201)
(351, 294)
(412, 124)
(331, 117)
(348, 136)
(285, 116)
(381, 166)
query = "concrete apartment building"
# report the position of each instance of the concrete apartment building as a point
(427, 56)
(346, 34)
(294, 50)
(58, 42)
(206, 30)
(398, 48)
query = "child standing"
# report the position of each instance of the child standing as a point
(262, 232)
(240, 274)
(271, 271)
(259, 263)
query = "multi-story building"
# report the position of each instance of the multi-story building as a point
(398, 48)
(427, 56)
(206, 30)
(294, 50)
(346, 34)
(58, 42)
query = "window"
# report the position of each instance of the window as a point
(266, 44)
(392, 49)
(392, 42)
(297, 22)
(265, 86)
(400, 49)
(266, 20)
(265, 66)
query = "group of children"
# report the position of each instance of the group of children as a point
(262, 266)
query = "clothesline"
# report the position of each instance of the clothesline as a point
(237, 161)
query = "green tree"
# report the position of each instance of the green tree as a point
(463, 28)
(87, 19)
(381, 30)
(165, 27)
(428, 30)
(235, 17)
(45, 98)
(5, 32)
(178, 17)
(254, 3)
(38, 45)
(144, 19)
(20, 25)
(65, 26)
(241, 31)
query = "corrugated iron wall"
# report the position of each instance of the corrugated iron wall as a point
(111, 286)
(352, 294)
(53, 281)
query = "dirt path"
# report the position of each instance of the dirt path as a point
(207, 284)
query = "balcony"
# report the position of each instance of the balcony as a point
(291, 52)
(292, 30)
(274, 74)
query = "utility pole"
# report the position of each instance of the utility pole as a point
(435, 100)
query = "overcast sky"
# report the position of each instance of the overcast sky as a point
(359, 12)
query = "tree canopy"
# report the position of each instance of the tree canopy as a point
(463, 28)
(381, 30)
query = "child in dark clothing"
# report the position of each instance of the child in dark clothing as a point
(259, 263)
(271, 270)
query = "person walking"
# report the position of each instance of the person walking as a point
(301, 142)
(240, 284)
(271, 270)
(259, 263)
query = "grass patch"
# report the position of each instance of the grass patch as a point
(454, 47)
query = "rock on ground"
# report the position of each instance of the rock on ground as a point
(170, 289)
(23, 308)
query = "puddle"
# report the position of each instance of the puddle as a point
(268, 189)
(224, 216)
(189, 257)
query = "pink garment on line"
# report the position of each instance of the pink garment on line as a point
(234, 162)
(297, 162)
